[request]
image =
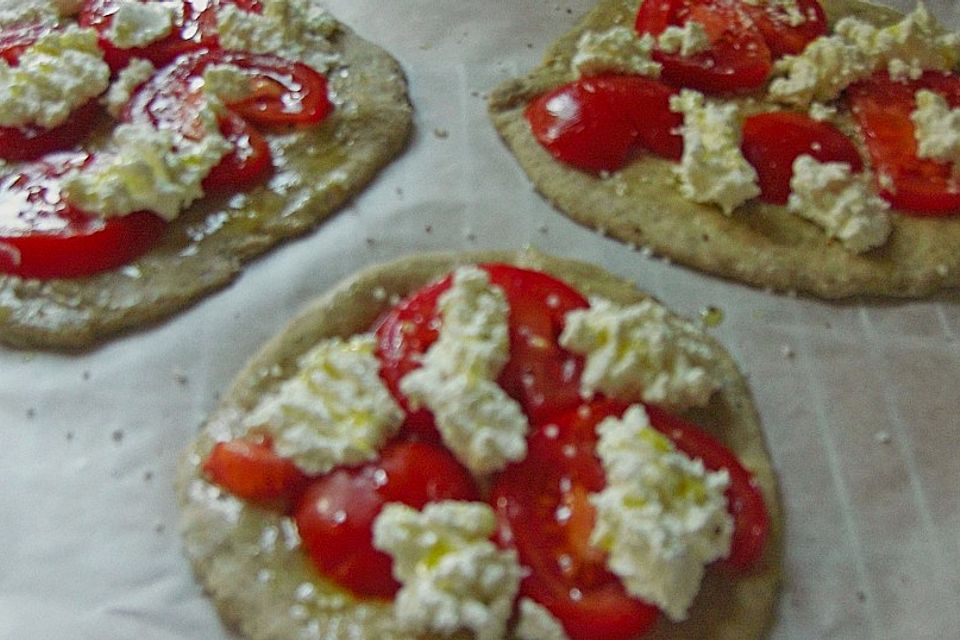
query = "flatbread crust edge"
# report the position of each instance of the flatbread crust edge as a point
(318, 170)
(761, 245)
(255, 585)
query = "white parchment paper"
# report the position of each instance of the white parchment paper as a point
(860, 400)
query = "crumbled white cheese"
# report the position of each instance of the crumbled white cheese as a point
(483, 426)
(912, 45)
(132, 76)
(137, 24)
(27, 12)
(617, 50)
(334, 411)
(454, 578)
(228, 82)
(661, 517)
(822, 112)
(821, 72)
(59, 72)
(936, 128)
(537, 623)
(688, 40)
(293, 29)
(145, 169)
(712, 168)
(843, 204)
(641, 352)
(830, 64)
(788, 9)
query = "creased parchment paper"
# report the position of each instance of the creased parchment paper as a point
(860, 400)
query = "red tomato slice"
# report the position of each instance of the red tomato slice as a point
(772, 141)
(882, 108)
(335, 516)
(540, 374)
(544, 512)
(738, 58)
(596, 124)
(41, 236)
(18, 144)
(249, 469)
(774, 23)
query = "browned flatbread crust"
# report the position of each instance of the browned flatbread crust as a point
(761, 244)
(317, 170)
(256, 585)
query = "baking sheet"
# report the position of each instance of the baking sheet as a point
(859, 400)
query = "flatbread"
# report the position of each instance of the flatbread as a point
(316, 172)
(263, 585)
(761, 244)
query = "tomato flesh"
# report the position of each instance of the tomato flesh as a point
(335, 516)
(772, 141)
(540, 374)
(738, 58)
(597, 124)
(882, 108)
(249, 469)
(42, 236)
(775, 25)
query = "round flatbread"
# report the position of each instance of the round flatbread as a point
(249, 560)
(760, 244)
(316, 171)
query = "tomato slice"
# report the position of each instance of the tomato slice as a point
(738, 58)
(250, 469)
(772, 141)
(41, 236)
(788, 31)
(882, 108)
(544, 512)
(597, 124)
(540, 374)
(335, 517)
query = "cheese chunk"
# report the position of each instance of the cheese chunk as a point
(131, 77)
(537, 623)
(641, 352)
(146, 169)
(936, 128)
(688, 40)
(454, 578)
(298, 30)
(843, 204)
(334, 411)
(617, 50)
(137, 24)
(788, 9)
(820, 73)
(59, 72)
(228, 82)
(712, 169)
(483, 426)
(662, 517)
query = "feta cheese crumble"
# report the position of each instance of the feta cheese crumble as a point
(45, 12)
(936, 128)
(641, 352)
(132, 76)
(537, 623)
(843, 204)
(137, 24)
(662, 516)
(787, 8)
(59, 72)
(146, 169)
(454, 578)
(826, 67)
(617, 50)
(334, 411)
(688, 40)
(712, 168)
(228, 82)
(293, 29)
(483, 426)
